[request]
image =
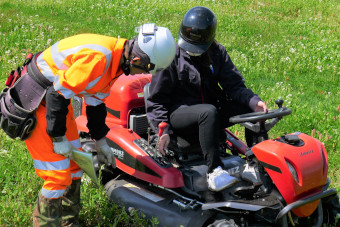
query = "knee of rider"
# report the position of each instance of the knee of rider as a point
(209, 112)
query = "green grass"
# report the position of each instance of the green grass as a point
(285, 49)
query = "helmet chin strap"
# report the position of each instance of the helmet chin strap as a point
(126, 61)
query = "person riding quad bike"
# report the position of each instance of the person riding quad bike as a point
(198, 93)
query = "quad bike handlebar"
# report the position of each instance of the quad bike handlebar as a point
(260, 116)
(247, 120)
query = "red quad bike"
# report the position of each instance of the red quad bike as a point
(293, 189)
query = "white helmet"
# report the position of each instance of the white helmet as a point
(159, 44)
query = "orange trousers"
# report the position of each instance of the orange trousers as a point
(56, 170)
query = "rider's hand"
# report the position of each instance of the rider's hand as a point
(105, 153)
(163, 143)
(261, 106)
(62, 146)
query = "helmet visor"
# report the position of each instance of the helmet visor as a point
(193, 48)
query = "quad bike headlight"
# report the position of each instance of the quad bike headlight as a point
(293, 171)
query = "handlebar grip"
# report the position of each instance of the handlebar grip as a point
(161, 127)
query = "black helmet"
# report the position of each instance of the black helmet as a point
(197, 30)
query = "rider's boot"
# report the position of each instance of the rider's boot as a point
(220, 179)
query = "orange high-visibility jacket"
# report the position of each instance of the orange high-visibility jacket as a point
(83, 65)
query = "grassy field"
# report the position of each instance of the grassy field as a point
(285, 49)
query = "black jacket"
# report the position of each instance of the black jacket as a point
(195, 80)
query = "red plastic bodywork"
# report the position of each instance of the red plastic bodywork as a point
(126, 95)
(310, 162)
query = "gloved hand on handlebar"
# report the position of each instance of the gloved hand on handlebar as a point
(261, 106)
(163, 143)
(105, 153)
(62, 146)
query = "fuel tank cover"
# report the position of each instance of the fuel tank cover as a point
(292, 140)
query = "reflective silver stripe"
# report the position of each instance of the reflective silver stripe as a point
(67, 93)
(58, 165)
(45, 69)
(59, 57)
(52, 194)
(91, 84)
(76, 143)
(101, 95)
(93, 99)
(77, 174)
(89, 100)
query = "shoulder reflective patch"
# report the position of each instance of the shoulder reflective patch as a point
(45, 68)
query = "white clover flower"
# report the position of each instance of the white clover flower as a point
(3, 151)
(292, 50)
(319, 67)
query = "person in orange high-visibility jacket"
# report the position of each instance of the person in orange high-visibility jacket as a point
(83, 65)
